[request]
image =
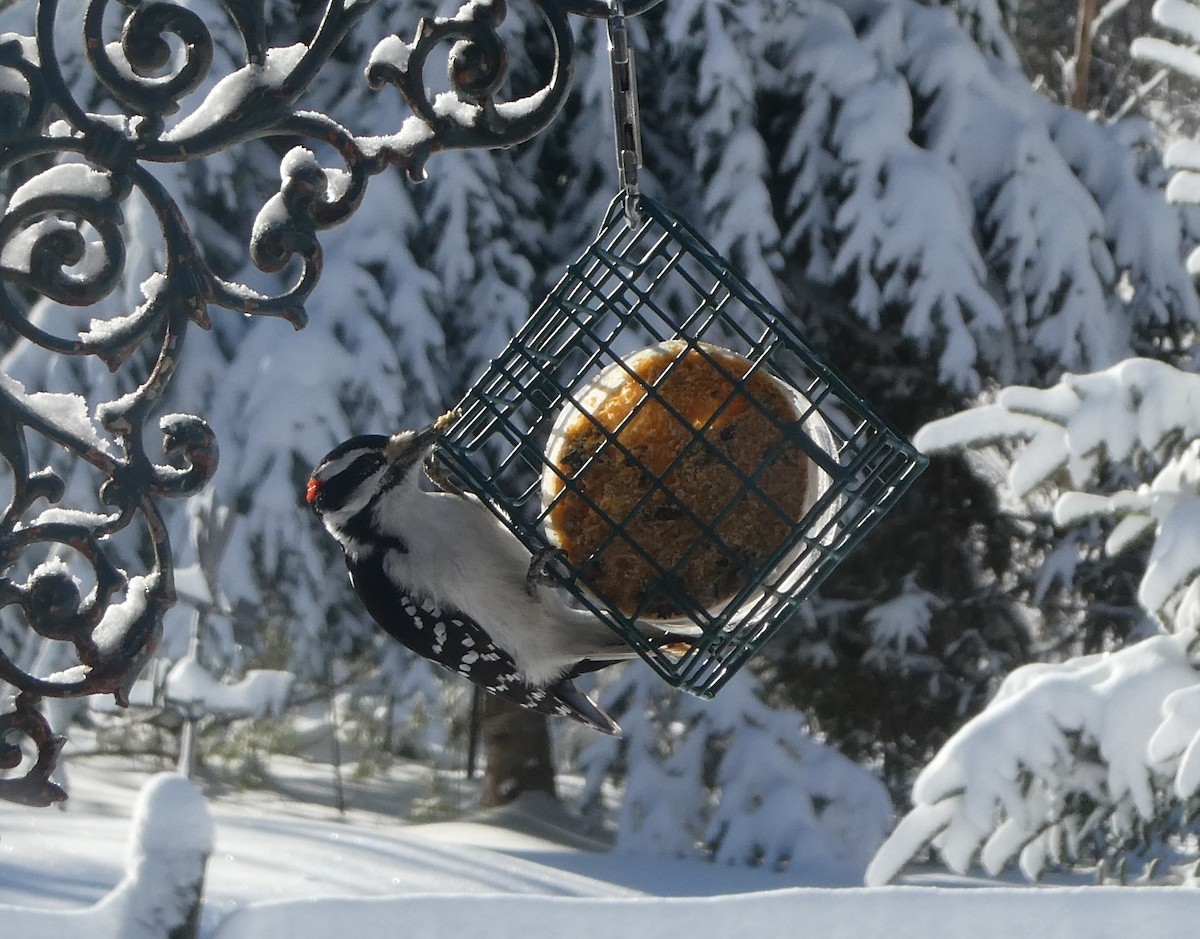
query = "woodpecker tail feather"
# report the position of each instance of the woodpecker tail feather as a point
(575, 704)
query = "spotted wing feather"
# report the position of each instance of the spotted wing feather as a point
(459, 644)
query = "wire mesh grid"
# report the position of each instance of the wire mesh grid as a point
(717, 519)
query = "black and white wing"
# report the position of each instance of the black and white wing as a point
(459, 644)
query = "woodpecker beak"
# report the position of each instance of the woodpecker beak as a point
(409, 442)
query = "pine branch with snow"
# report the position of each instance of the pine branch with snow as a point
(1140, 413)
(1059, 755)
(966, 212)
(1180, 19)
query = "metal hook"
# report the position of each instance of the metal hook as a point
(625, 111)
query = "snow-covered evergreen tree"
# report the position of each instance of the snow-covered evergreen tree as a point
(419, 286)
(1070, 765)
(1072, 762)
(926, 205)
(878, 167)
(1095, 757)
(738, 782)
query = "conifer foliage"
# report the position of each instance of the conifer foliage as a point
(1092, 761)
(935, 225)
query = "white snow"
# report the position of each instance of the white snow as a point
(52, 565)
(120, 617)
(1178, 738)
(68, 676)
(191, 587)
(412, 133)
(261, 693)
(1184, 187)
(900, 913)
(234, 90)
(13, 83)
(449, 105)
(392, 51)
(71, 517)
(977, 427)
(522, 107)
(172, 816)
(1162, 52)
(1180, 16)
(68, 412)
(903, 622)
(17, 252)
(779, 797)
(74, 178)
(282, 866)
(108, 330)
(1183, 155)
(172, 837)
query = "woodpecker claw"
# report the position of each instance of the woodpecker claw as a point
(441, 477)
(541, 572)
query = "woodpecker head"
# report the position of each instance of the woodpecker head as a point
(356, 472)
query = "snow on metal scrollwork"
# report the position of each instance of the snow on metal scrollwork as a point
(75, 178)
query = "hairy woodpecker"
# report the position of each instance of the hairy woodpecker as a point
(440, 573)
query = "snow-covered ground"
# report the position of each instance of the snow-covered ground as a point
(285, 863)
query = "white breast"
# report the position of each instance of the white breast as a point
(462, 557)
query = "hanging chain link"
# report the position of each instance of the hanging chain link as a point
(625, 111)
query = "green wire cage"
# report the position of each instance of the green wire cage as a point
(759, 549)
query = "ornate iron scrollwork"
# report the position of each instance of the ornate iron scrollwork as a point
(67, 174)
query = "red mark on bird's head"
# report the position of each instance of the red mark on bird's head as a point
(314, 487)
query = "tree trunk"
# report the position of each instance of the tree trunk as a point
(1083, 53)
(517, 747)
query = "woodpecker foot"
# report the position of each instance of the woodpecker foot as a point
(542, 570)
(441, 477)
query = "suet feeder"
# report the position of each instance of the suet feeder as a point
(673, 436)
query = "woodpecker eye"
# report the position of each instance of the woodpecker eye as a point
(313, 490)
